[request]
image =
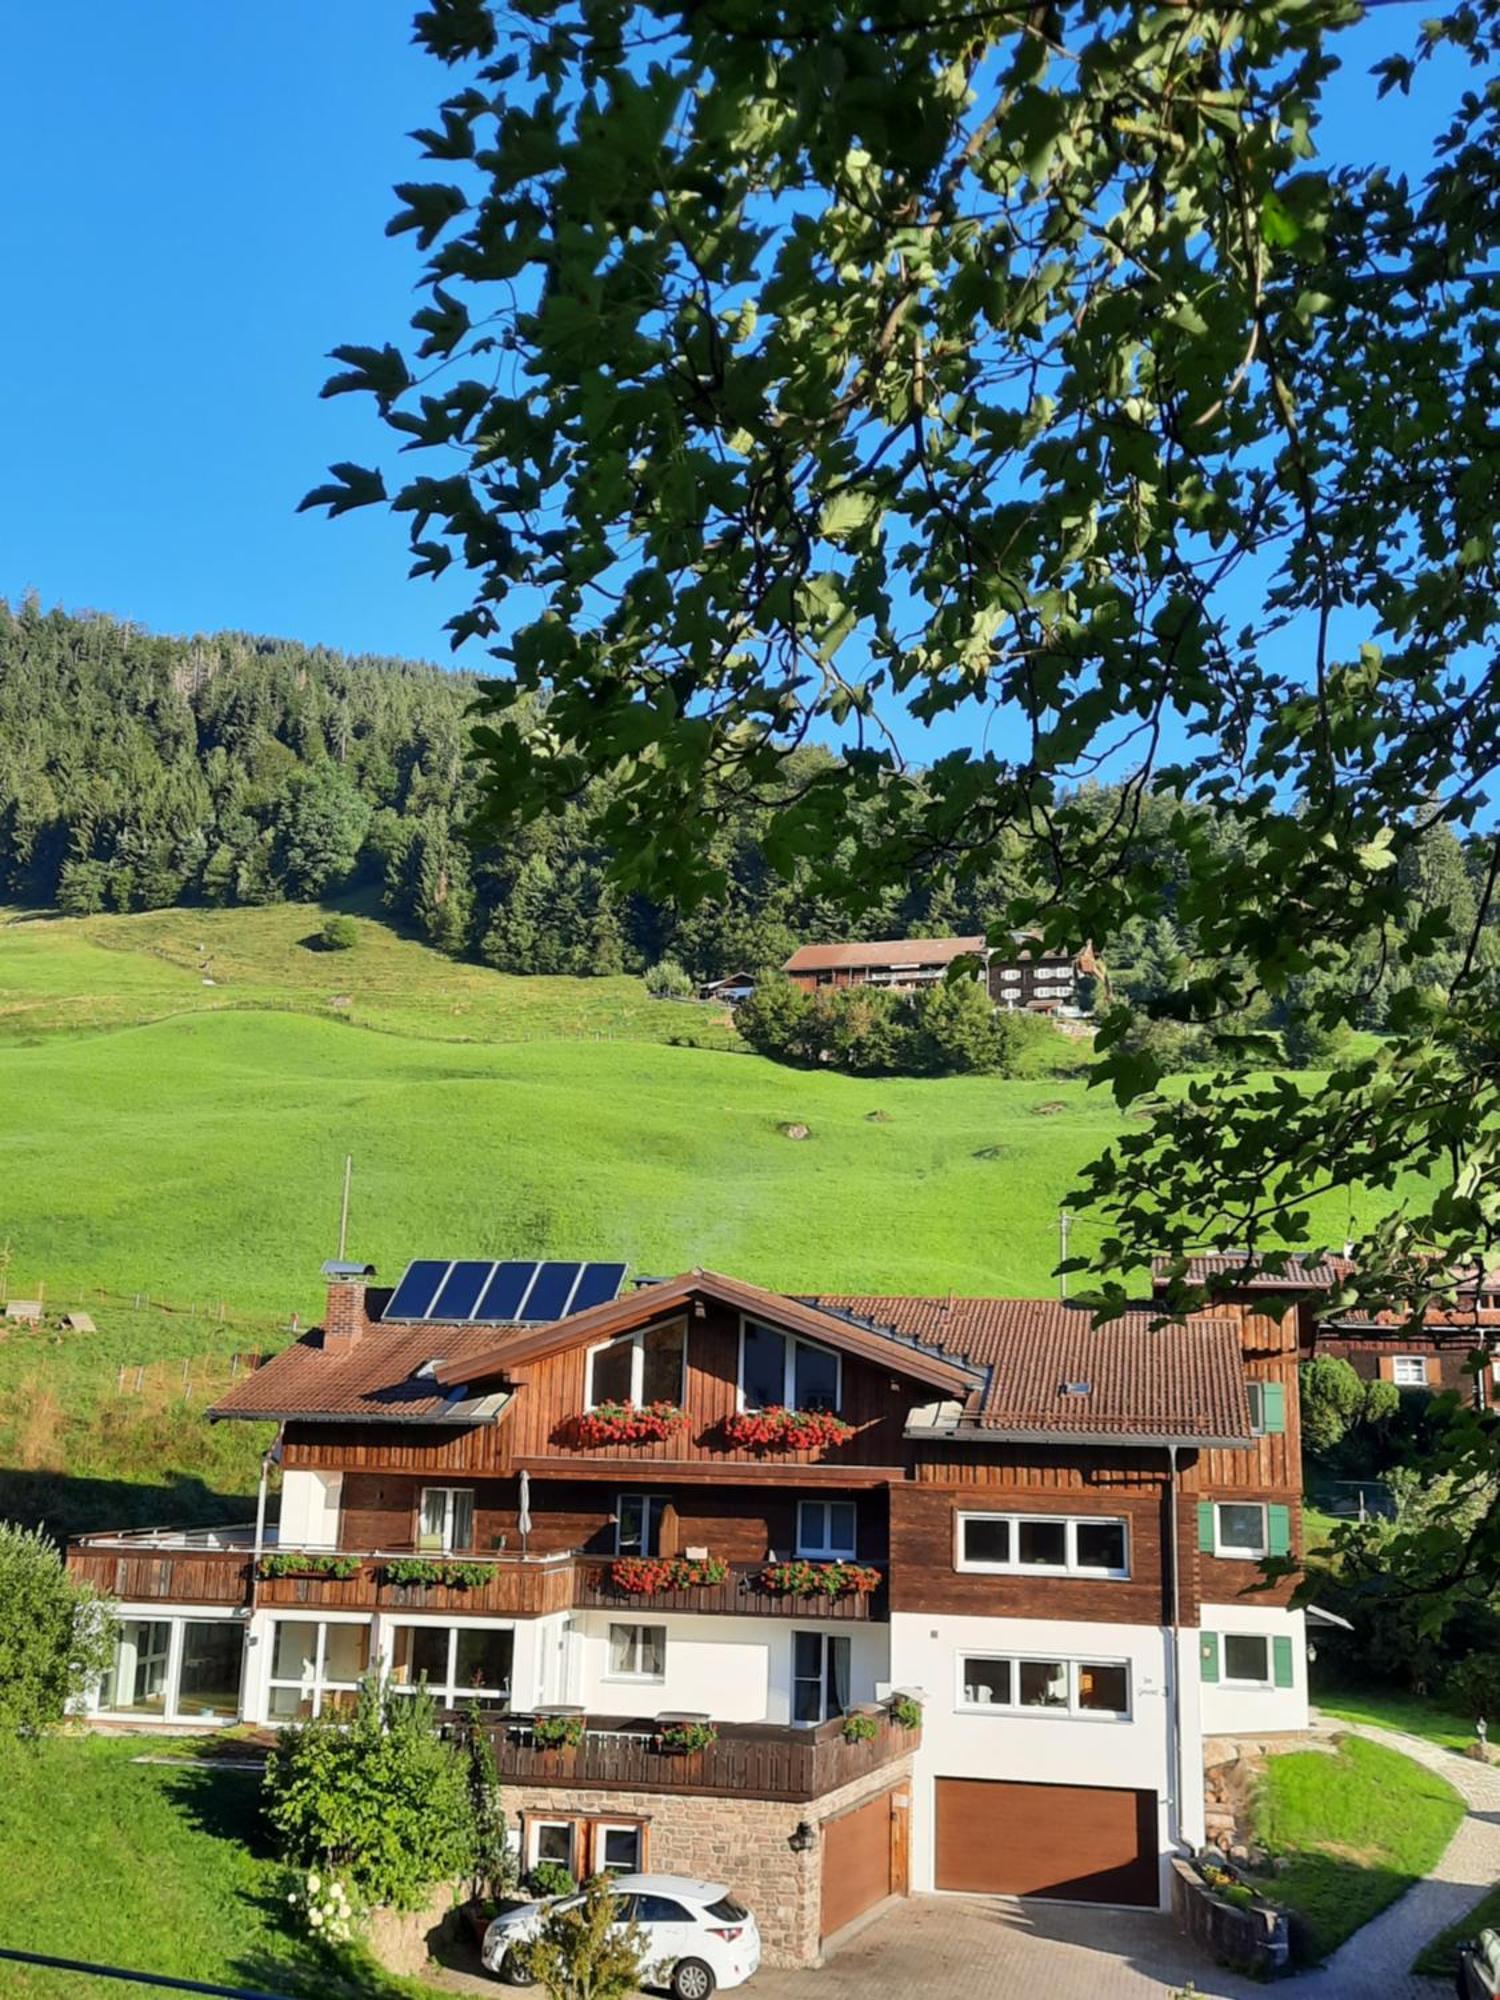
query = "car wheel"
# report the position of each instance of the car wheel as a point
(514, 1973)
(692, 1979)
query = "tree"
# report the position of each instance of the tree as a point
(339, 933)
(773, 1017)
(1332, 1396)
(322, 827)
(583, 1951)
(378, 1796)
(56, 1636)
(666, 980)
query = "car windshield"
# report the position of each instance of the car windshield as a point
(728, 1911)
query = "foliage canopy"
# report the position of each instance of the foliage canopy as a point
(56, 1636)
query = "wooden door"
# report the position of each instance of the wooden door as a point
(1074, 1843)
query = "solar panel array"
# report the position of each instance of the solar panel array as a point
(478, 1292)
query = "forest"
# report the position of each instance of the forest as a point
(139, 771)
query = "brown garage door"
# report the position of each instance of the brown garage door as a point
(1080, 1843)
(862, 1862)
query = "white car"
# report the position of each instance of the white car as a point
(698, 1937)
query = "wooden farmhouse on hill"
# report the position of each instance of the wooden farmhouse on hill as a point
(946, 1593)
(1028, 976)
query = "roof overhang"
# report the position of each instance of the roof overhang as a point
(1132, 1440)
(880, 1346)
(456, 1412)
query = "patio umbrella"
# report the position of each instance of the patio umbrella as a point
(523, 1510)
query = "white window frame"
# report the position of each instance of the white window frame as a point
(792, 1342)
(633, 1674)
(1072, 1711)
(177, 1621)
(1265, 1680)
(448, 1693)
(319, 1684)
(599, 1832)
(447, 1546)
(1409, 1361)
(652, 1505)
(1255, 1396)
(535, 1823)
(1230, 1553)
(637, 1343)
(1070, 1523)
(824, 1549)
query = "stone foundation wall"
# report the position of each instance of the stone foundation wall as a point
(403, 1940)
(1232, 1766)
(743, 1843)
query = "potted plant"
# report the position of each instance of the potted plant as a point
(778, 1429)
(300, 1563)
(906, 1711)
(684, 1737)
(644, 1576)
(860, 1729)
(818, 1579)
(557, 1732)
(628, 1423)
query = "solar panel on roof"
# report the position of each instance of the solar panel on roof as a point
(415, 1293)
(516, 1291)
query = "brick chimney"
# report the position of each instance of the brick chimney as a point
(345, 1321)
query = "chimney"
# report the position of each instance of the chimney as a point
(345, 1322)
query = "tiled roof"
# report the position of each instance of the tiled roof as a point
(1315, 1272)
(882, 951)
(374, 1380)
(1179, 1381)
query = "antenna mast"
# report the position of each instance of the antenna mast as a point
(1063, 1219)
(344, 1208)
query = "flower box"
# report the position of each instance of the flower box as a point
(291, 1563)
(777, 1429)
(628, 1423)
(644, 1576)
(818, 1579)
(455, 1575)
(685, 1737)
(557, 1732)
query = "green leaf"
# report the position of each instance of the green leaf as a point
(357, 486)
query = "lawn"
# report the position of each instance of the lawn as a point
(152, 1868)
(1356, 1828)
(1436, 1960)
(1390, 1709)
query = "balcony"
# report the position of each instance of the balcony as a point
(760, 1760)
(737, 1596)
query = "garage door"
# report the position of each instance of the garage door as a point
(1079, 1843)
(862, 1859)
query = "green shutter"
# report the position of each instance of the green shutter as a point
(1279, 1530)
(1206, 1526)
(1272, 1408)
(1281, 1661)
(1208, 1656)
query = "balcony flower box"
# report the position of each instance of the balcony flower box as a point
(424, 1570)
(683, 1738)
(628, 1423)
(644, 1576)
(818, 1579)
(557, 1732)
(859, 1729)
(778, 1429)
(290, 1562)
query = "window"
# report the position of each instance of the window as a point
(1239, 1529)
(638, 1523)
(137, 1682)
(660, 1910)
(820, 1676)
(1061, 1546)
(316, 1667)
(459, 1663)
(638, 1652)
(1255, 1396)
(1060, 1687)
(778, 1370)
(176, 1669)
(645, 1367)
(208, 1673)
(1409, 1371)
(1267, 1402)
(552, 1840)
(1247, 1658)
(445, 1518)
(825, 1528)
(617, 1849)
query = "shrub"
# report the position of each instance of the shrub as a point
(666, 980)
(339, 933)
(494, 1862)
(291, 1564)
(583, 1952)
(1332, 1398)
(1473, 1687)
(550, 1878)
(57, 1637)
(860, 1729)
(328, 1910)
(380, 1798)
(906, 1710)
(423, 1570)
(1382, 1401)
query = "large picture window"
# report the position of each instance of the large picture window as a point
(645, 1367)
(445, 1518)
(316, 1667)
(826, 1529)
(779, 1371)
(1022, 1685)
(175, 1669)
(458, 1663)
(1066, 1545)
(137, 1682)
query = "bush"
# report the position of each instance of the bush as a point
(339, 934)
(56, 1636)
(550, 1878)
(584, 1953)
(380, 1799)
(1381, 1403)
(1473, 1687)
(666, 980)
(1333, 1398)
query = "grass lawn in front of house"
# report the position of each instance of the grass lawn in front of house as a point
(1356, 1828)
(153, 1867)
(1390, 1708)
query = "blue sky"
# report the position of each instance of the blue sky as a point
(193, 195)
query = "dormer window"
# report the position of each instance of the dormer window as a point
(776, 1369)
(644, 1367)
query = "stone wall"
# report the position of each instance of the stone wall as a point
(744, 1843)
(1232, 1767)
(1254, 1940)
(403, 1940)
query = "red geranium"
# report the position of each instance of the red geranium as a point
(644, 1576)
(778, 1429)
(629, 1423)
(816, 1579)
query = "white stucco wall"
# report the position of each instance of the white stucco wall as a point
(1037, 1748)
(310, 1509)
(1244, 1711)
(735, 1669)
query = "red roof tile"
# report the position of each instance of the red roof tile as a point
(1312, 1272)
(882, 952)
(374, 1380)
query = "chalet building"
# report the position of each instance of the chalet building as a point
(827, 1596)
(1029, 976)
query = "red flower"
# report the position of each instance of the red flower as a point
(814, 1579)
(629, 1423)
(778, 1429)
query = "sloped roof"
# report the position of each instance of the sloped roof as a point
(1311, 1272)
(374, 1381)
(882, 951)
(1178, 1383)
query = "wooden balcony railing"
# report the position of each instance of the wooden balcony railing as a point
(760, 1760)
(737, 1596)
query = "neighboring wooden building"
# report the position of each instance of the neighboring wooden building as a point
(1048, 1534)
(1042, 981)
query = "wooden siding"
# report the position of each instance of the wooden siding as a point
(753, 1760)
(182, 1576)
(518, 1590)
